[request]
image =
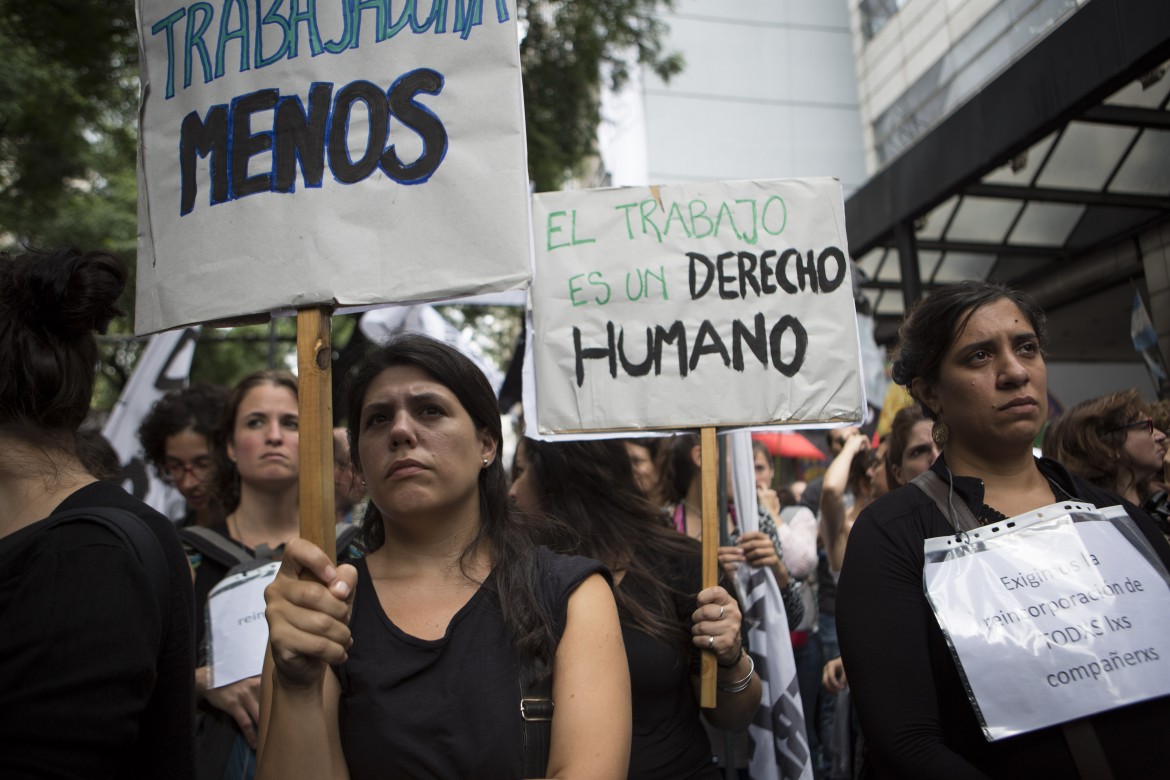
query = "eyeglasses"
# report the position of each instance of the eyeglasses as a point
(174, 470)
(1147, 423)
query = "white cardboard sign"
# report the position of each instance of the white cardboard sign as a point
(1053, 623)
(238, 629)
(710, 304)
(306, 153)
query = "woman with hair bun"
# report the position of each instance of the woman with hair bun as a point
(971, 355)
(96, 609)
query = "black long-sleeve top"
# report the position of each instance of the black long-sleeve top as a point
(915, 714)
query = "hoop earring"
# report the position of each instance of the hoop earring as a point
(940, 432)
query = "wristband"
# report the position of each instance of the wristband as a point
(740, 685)
(734, 663)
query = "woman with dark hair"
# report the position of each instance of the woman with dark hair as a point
(910, 447)
(644, 458)
(971, 356)
(462, 627)
(176, 437)
(1112, 442)
(95, 597)
(658, 572)
(257, 448)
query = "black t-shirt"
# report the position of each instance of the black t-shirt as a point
(449, 707)
(914, 710)
(669, 741)
(95, 681)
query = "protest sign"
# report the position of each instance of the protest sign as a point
(709, 304)
(238, 630)
(294, 155)
(1050, 619)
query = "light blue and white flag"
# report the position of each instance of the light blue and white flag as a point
(1145, 340)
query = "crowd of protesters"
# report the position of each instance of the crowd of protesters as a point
(531, 615)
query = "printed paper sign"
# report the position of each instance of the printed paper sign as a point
(1053, 623)
(292, 154)
(710, 304)
(238, 630)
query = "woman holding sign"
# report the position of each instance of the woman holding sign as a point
(971, 356)
(444, 651)
(665, 614)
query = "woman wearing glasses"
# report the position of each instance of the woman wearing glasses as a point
(176, 438)
(1111, 441)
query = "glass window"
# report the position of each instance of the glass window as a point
(875, 14)
(1147, 168)
(1046, 224)
(1085, 156)
(959, 266)
(934, 222)
(983, 219)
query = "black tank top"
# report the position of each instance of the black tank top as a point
(447, 708)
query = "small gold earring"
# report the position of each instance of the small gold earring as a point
(940, 433)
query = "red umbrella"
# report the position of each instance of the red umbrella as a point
(789, 445)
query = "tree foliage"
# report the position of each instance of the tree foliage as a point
(567, 46)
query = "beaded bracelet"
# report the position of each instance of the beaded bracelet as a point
(741, 685)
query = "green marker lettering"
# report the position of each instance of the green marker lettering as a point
(554, 229)
(574, 290)
(573, 233)
(629, 227)
(783, 216)
(755, 236)
(646, 217)
(701, 215)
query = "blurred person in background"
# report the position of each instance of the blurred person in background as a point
(176, 437)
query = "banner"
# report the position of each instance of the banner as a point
(307, 153)
(709, 304)
(163, 366)
(1053, 615)
(779, 740)
(380, 324)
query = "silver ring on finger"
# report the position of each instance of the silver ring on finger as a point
(710, 643)
(721, 608)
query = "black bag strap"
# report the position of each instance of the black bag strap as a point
(957, 513)
(1079, 734)
(216, 546)
(137, 536)
(536, 711)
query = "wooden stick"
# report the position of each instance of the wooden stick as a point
(709, 452)
(314, 360)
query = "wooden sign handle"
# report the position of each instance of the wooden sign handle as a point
(315, 383)
(709, 452)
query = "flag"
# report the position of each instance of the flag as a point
(163, 366)
(778, 738)
(380, 324)
(1145, 341)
